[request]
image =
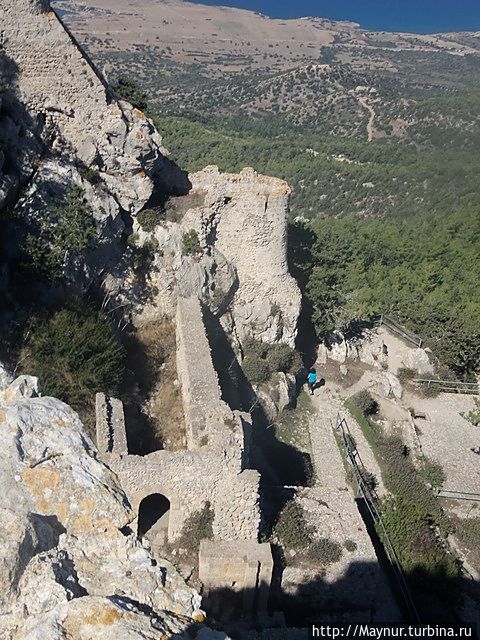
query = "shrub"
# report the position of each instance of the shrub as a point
(350, 546)
(324, 551)
(473, 416)
(198, 526)
(255, 368)
(127, 89)
(75, 354)
(404, 374)
(280, 357)
(261, 360)
(148, 219)
(432, 473)
(190, 243)
(61, 229)
(365, 403)
(430, 390)
(90, 174)
(142, 255)
(292, 528)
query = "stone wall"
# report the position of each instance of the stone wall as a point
(236, 577)
(244, 218)
(110, 425)
(213, 469)
(209, 421)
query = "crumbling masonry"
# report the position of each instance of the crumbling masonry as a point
(213, 469)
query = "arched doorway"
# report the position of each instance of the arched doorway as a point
(153, 517)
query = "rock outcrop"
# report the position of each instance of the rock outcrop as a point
(70, 566)
(240, 269)
(61, 126)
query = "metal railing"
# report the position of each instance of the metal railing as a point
(458, 495)
(450, 386)
(370, 498)
(399, 329)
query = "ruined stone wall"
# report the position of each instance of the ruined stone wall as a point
(110, 425)
(189, 479)
(209, 420)
(245, 219)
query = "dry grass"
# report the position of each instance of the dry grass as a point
(153, 385)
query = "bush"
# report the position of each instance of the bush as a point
(430, 390)
(292, 528)
(190, 243)
(350, 546)
(197, 527)
(404, 374)
(432, 473)
(127, 89)
(365, 403)
(280, 357)
(61, 229)
(90, 174)
(324, 551)
(261, 360)
(75, 354)
(148, 219)
(142, 255)
(255, 368)
(473, 416)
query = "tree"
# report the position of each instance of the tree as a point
(75, 354)
(60, 230)
(127, 89)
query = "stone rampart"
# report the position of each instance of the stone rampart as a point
(209, 421)
(236, 577)
(61, 89)
(245, 219)
(110, 425)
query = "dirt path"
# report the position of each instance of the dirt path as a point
(371, 120)
(332, 510)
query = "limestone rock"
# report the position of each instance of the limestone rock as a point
(382, 383)
(322, 354)
(60, 120)
(337, 347)
(6, 377)
(373, 351)
(419, 360)
(69, 566)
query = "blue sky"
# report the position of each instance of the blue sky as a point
(423, 16)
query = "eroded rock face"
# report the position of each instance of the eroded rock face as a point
(244, 218)
(69, 567)
(61, 126)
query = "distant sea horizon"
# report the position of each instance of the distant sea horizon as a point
(412, 16)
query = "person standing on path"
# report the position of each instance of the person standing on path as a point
(311, 380)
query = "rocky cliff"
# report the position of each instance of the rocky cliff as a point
(60, 126)
(69, 565)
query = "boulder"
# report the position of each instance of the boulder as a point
(69, 567)
(419, 360)
(6, 377)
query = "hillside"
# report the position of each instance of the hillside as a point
(360, 124)
(315, 72)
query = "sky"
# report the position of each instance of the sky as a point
(419, 16)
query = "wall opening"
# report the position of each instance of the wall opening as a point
(154, 516)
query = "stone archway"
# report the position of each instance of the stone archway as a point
(154, 518)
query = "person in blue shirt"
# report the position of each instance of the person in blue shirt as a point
(311, 380)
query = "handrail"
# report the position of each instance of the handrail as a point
(460, 495)
(402, 331)
(452, 386)
(370, 501)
